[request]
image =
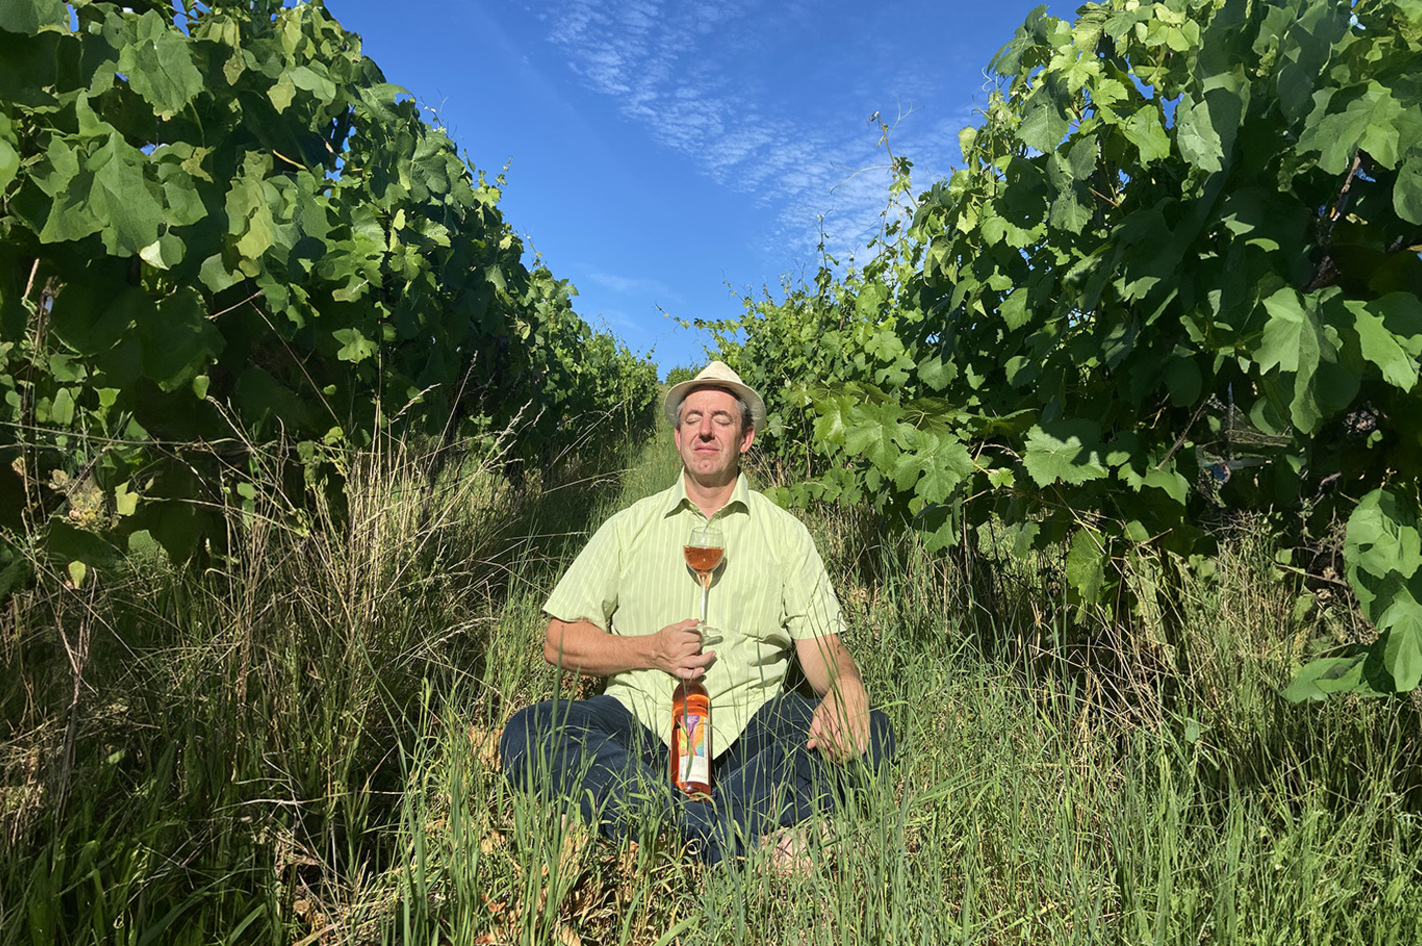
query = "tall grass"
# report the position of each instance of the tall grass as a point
(299, 747)
(216, 756)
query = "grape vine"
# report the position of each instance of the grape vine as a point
(224, 236)
(1179, 272)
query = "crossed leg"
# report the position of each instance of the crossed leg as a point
(597, 752)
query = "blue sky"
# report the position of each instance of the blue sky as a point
(669, 156)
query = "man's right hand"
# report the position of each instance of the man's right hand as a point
(676, 649)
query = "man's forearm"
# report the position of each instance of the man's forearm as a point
(828, 666)
(583, 647)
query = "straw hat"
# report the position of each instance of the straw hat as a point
(715, 375)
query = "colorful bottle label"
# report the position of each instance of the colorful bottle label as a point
(695, 761)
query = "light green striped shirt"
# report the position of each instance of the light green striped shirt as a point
(771, 589)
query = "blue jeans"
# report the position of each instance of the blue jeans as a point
(598, 752)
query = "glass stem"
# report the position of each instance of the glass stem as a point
(705, 590)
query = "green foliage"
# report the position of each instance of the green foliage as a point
(681, 373)
(1178, 272)
(228, 234)
(303, 744)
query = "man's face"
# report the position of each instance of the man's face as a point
(711, 436)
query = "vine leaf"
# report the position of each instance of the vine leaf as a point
(123, 201)
(1086, 564)
(1394, 353)
(160, 66)
(178, 340)
(1068, 455)
(932, 471)
(355, 347)
(28, 16)
(9, 157)
(1203, 138)
(1320, 679)
(1401, 624)
(1044, 123)
(1407, 192)
(875, 428)
(1146, 131)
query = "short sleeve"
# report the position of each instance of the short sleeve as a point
(588, 589)
(811, 608)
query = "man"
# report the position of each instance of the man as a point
(777, 757)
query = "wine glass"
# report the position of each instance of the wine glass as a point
(703, 551)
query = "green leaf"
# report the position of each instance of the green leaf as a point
(1294, 342)
(834, 418)
(1320, 679)
(90, 316)
(870, 301)
(873, 432)
(936, 372)
(66, 543)
(28, 16)
(178, 341)
(1369, 122)
(215, 275)
(1196, 136)
(1086, 564)
(934, 470)
(1390, 336)
(307, 78)
(1014, 309)
(1068, 452)
(160, 66)
(125, 502)
(1146, 130)
(1172, 483)
(163, 253)
(1401, 627)
(1383, 537)
(355, 347)
(1044, 122)
(123, 201)
(1205, 130)
(282, 92)
(249, 210)
(1406, 192)
(61, 411)
(9, 156)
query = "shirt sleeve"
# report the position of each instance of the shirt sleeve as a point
(588, 589)
(811, 608)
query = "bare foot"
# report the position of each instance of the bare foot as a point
(795, 851)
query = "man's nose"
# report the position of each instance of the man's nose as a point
(707, 431)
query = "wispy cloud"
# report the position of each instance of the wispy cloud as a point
(628, 285)
(695, 75)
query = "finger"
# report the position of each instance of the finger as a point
(700, 660)
(835, 736)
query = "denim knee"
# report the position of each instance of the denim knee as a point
(881, 740)
(515, 739)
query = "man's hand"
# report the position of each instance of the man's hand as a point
(840, 725)
(676, 649)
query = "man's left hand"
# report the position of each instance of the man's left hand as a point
(840, 725)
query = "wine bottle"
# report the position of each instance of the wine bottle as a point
(691, 739)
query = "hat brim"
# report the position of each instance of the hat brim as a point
(679, 391)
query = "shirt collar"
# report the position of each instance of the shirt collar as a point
(739, 501)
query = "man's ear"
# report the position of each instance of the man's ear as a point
(748, 439)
